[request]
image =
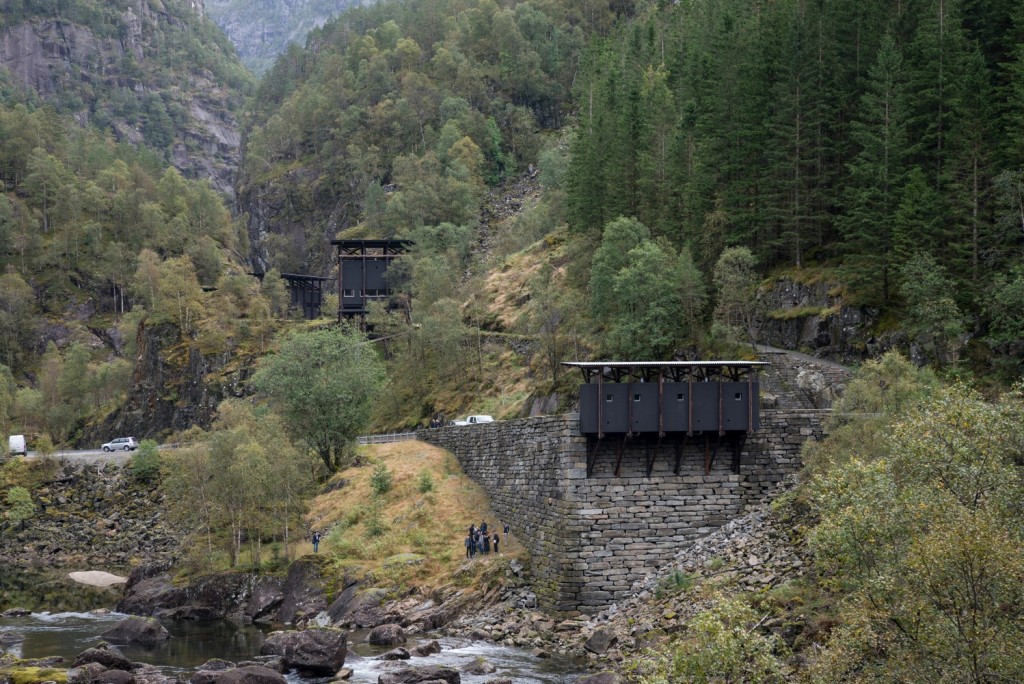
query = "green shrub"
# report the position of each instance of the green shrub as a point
(352, 517)
(145, 463)
(373, 522)
(20, 506)
(674, 583)
(723, 645)
(44, 445)
(426, 483)
(381, 480)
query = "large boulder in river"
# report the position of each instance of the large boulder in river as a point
(265, 599)
(600, 641)
(253, 674)
(318, 651)
(419, 675)
(426, 649)
(113, 677)
(479, 666)
(144, 631)
(84, 673)
(602, 678)
(387, 635)
(107, 657)
(212, 597)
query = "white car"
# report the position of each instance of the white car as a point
(121, 444)
(473, 420)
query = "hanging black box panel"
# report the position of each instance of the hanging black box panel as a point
(737, 413)
(634, 407)
(643, 410)
(677, 402)
(705, 406)
(614, 408)
(588, 409)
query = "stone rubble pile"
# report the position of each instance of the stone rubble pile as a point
(91, 515)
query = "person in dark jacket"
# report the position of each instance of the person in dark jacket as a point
(497, 540)
(483, 527)
(487, 543)
(316, 542)
(506, 528)
(469, 546)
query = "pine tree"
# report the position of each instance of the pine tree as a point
(876, 177)
(934, 67)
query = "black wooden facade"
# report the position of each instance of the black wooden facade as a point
(711, 403)
(362, 273)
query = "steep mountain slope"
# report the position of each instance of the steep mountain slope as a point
(396, 116)
(152, 72)
(262, 30)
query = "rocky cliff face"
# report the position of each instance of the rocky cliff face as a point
(261, 30)
(103, 74)
(174, 387)
(813, 318)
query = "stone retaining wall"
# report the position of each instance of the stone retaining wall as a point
(592, 537)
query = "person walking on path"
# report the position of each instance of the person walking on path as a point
(316, 542)
(497, 540)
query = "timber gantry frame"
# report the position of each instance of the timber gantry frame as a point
(307, 293)
(652, 402)
(362, 273)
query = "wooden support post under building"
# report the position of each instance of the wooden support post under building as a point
(680, 446)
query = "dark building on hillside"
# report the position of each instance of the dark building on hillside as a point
(307, 293)
(707, 404)
(362, 273)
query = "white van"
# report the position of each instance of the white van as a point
(473, 420)
(16, 445)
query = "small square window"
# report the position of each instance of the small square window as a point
(739, 396)
(349, 293)
(636, 397)
(608, 397)
(680, 397)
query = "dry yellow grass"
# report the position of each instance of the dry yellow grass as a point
(432, 525)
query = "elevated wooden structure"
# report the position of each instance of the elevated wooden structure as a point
(654, 402)
(307, 293)
(362, 273)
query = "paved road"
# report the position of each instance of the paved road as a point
(80, 456)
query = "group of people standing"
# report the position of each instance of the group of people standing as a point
(479, 539)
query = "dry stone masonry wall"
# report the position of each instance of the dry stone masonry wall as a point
(592, 537)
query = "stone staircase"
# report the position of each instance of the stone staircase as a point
(798, 381)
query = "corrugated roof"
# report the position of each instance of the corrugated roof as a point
(664, 364)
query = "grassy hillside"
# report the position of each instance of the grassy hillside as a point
(405, 536)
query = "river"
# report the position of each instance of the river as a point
(68, 618)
